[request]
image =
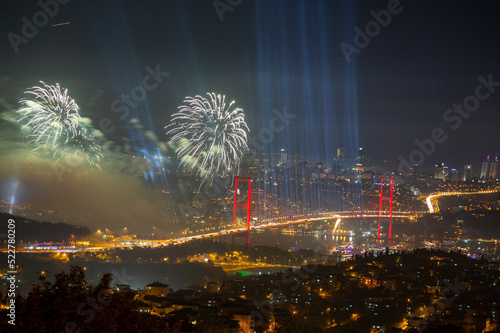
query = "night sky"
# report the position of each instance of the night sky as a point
(277, 54)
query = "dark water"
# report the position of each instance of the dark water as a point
(322, 241)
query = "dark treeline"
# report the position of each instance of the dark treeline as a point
(71, 304)
(29, 230)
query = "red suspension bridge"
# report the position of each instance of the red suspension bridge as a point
(382, 214)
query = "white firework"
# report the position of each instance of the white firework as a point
(210, 137)
(50, 113)
(53, 120)
(81, 150)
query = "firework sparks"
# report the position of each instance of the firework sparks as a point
(53, 120)
(81, 150)
(210, 136)
(50, 113)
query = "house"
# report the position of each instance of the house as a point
(143, 307)
(157, 289)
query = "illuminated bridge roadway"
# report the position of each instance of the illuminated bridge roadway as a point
(430, 200)
(181, 240)
(432, 203)
(341, 216)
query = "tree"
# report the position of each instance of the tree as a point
(69, 304)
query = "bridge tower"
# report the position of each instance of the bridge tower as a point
(382, 199)
(247, 205)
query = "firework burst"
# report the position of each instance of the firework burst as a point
(53, 121)
(50, 113)
(210, 137)
(81, 150)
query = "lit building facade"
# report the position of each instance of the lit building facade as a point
(494, 168)
(484, 168)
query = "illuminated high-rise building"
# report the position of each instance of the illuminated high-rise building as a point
(440, 171)
(467, 173)
(361, 155)
(494, 168)
(358, 170)
(358, 167)
(340, 160)
(484, 169)
(284, 156)
(453, 175)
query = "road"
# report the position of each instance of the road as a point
(434, 207)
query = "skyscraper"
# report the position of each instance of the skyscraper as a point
(284, 156)
(494, 168)
(340, 161)
(453, 175)
(358, 168)
(361, 155)
(484, 169)
(440, 171)
(467, 173)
